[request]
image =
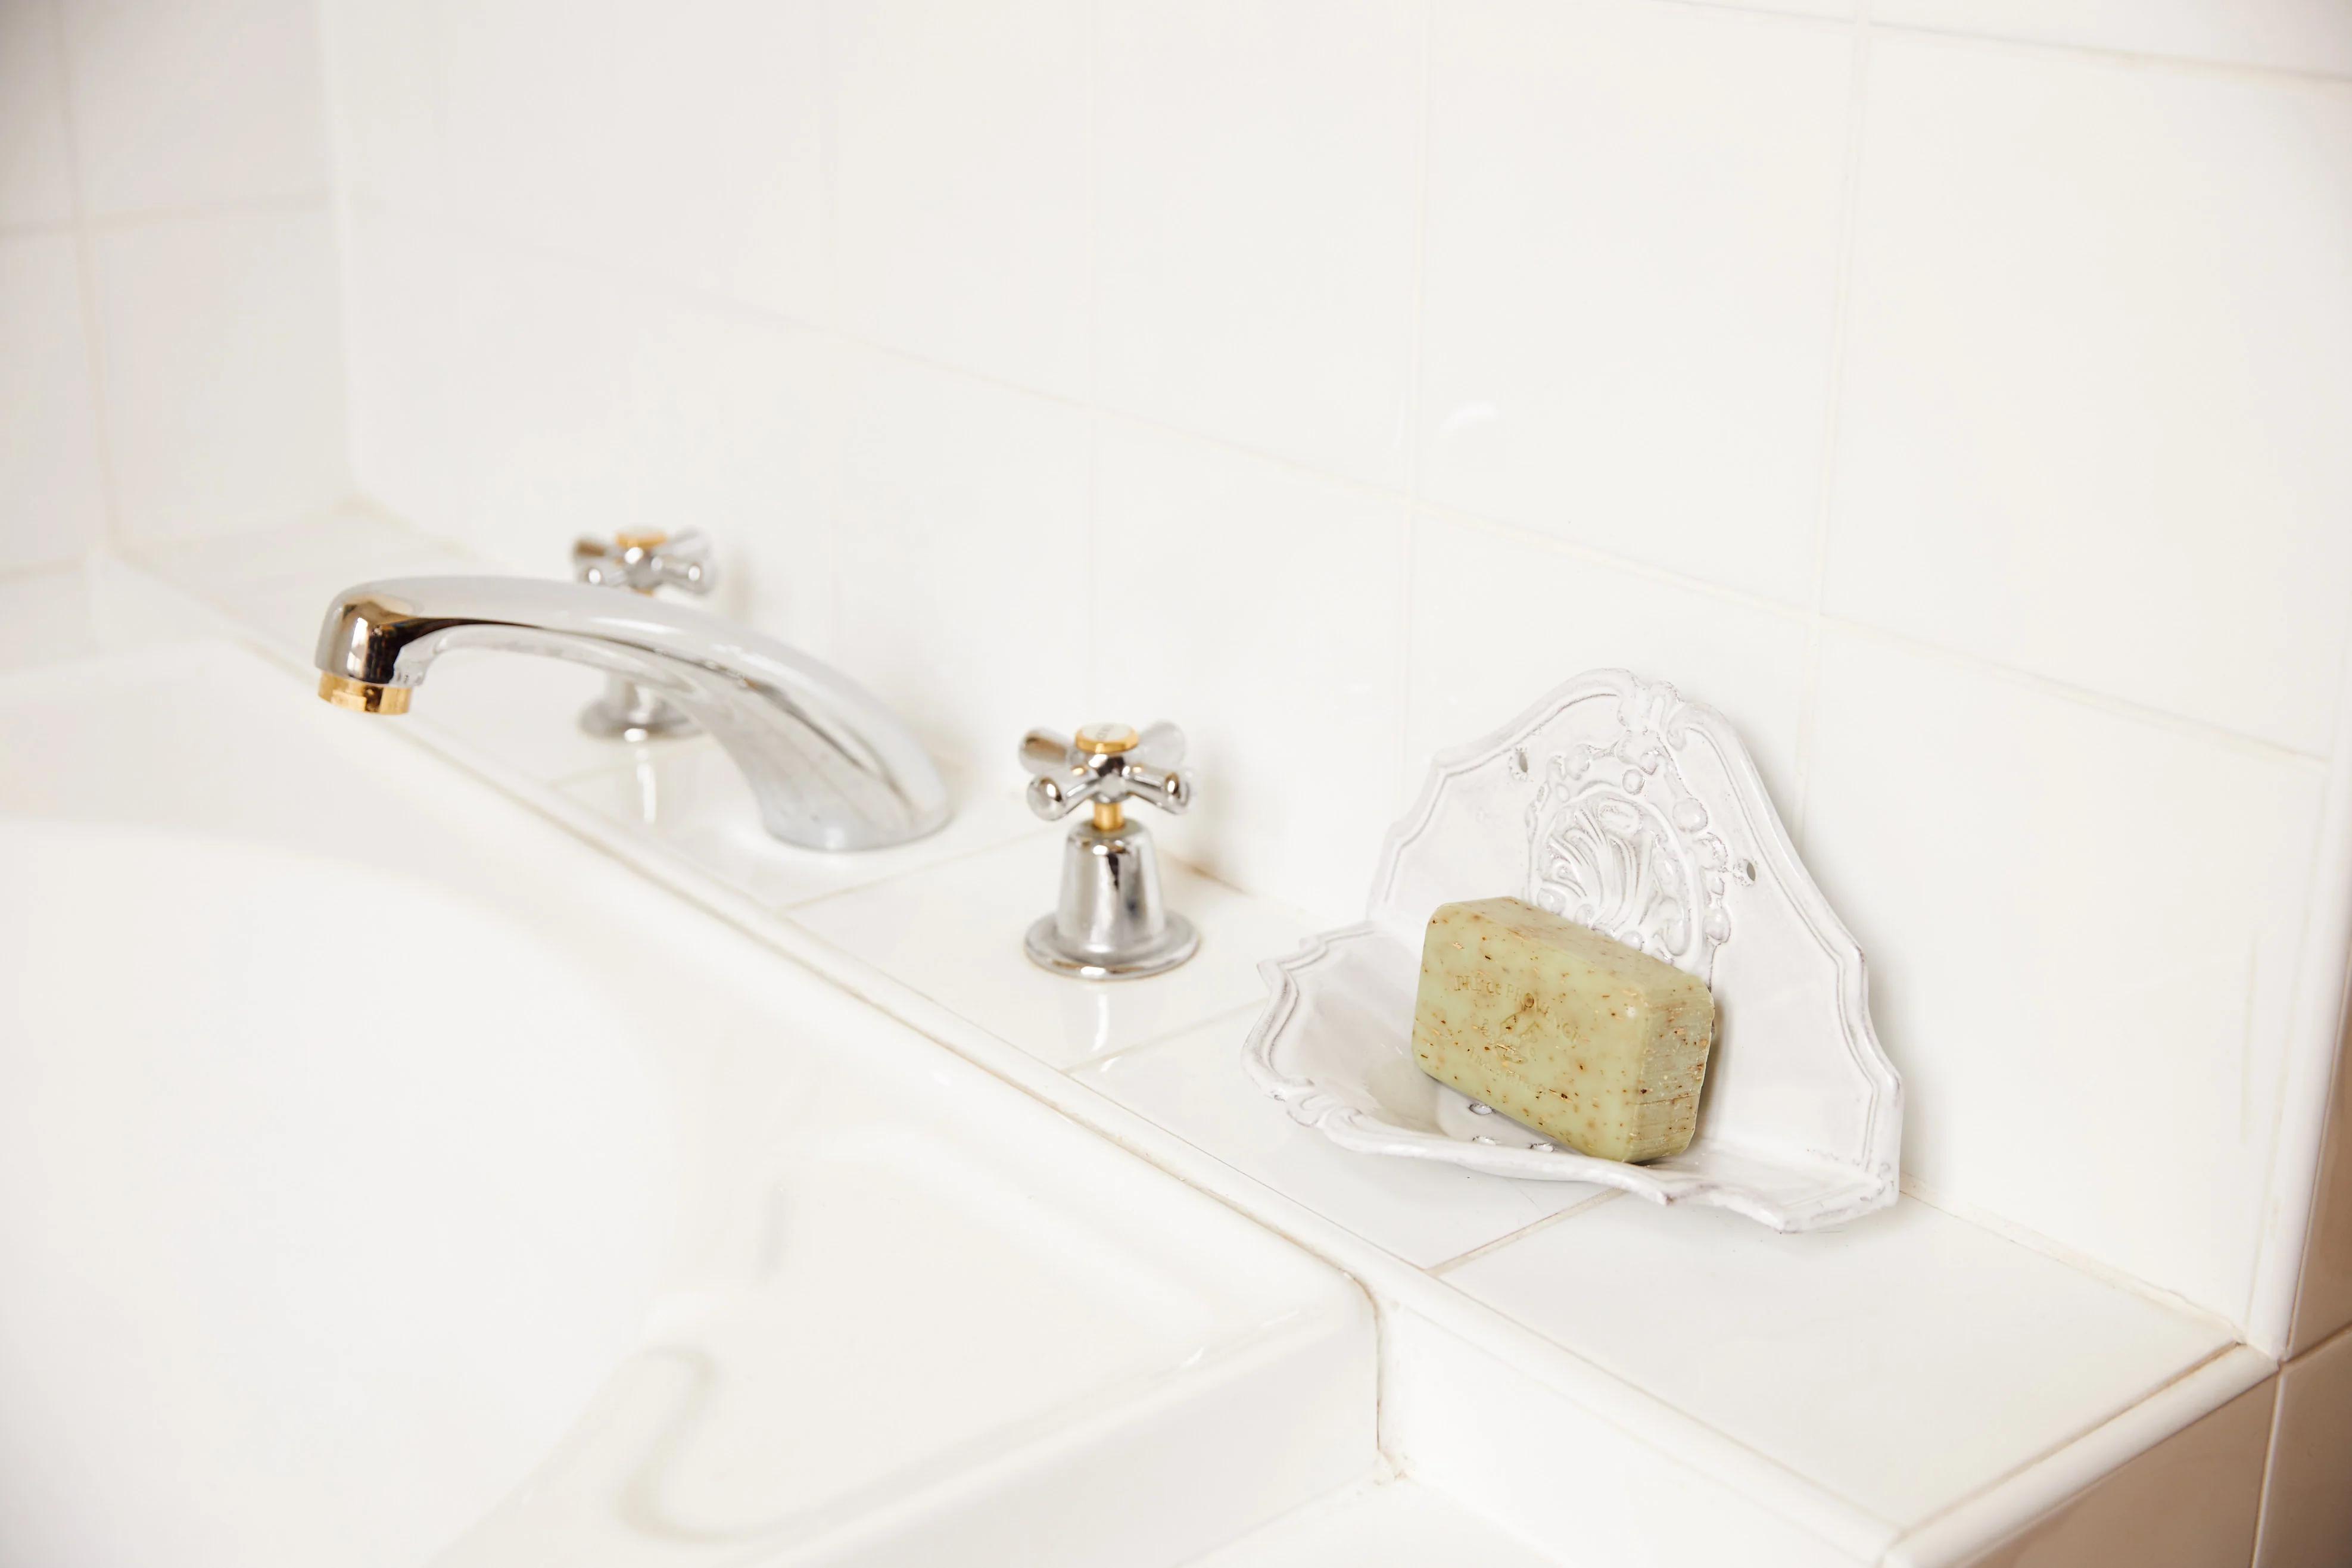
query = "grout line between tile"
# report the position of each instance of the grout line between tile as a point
(2269, 1463)
(2081, 1262)
(1167, 1037)
(2246, 70)
(29, 571)
(1833, 395)
(1416, 353)
(2138, 59)
(2104, 702)
(1581, 1205)
(240, 207)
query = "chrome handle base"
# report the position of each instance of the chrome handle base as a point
(1110, 923)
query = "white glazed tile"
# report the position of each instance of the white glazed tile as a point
(223, 371)
(686, 141)
(1632, 236)
(98, 606)
(1254, 241)
(1423, 1212)
(1258, 608)
(52, 494)
(1900, 1363)
(1398, 1524)
(1498, 621)
(195, 103)
(1555, 1464)
(2190, 1501)
(520, 714)
(2103, 439)
(2291, 35)
(961, 554)
(2306, 1507)
(539, 448)
(2082, 931)
(383, 69)
(961, 180)
(527, 87)
(732, 428)
(35, 158)
(400, 291)
(251, 575)
(692, 800)
(953, 932)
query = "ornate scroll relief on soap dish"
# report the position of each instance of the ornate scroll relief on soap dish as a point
(1620, 805)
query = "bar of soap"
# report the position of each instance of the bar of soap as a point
(1599, 1046)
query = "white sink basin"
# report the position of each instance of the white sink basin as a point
(388, 1177)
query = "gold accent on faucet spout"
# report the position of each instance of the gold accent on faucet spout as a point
(363, 696)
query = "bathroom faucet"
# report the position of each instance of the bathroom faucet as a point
(830, 768)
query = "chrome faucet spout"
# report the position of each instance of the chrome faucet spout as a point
(830, 768)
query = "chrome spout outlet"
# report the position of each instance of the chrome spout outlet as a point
(830, 768)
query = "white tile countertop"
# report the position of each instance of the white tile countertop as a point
(1912, 1389)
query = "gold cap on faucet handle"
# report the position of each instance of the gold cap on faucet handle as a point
(1106, 739)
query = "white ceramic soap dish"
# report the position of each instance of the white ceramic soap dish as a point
(1615, 802)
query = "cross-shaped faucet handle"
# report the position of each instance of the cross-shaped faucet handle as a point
(644, 561)
(1104, 764)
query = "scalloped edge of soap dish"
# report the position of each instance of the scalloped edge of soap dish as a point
(1817, 1187)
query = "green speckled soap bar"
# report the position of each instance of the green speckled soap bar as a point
(1599, 1046)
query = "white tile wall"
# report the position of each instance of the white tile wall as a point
(36, 156)
(1486, 599)
(224, 376)
(52, 495)
(1255, 243)
(385, 104)
(401, 283)
(686, 141)
(962, 582)
(1961, 416)
(734, 423)
(961, 174)
(2083, 979)
(1258, 607)
(538, 442)
(1953, 402)
(1632, 266)
(195, 103)
(170, 336)
(2095, 393)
